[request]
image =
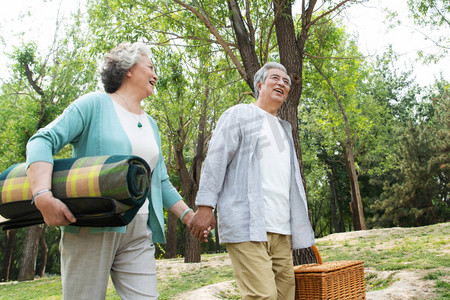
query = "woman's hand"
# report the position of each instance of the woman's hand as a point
(54, 211)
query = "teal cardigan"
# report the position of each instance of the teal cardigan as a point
(92, 126)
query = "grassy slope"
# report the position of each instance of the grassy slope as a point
(422, 248)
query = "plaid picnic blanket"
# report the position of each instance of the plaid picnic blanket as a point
(99, 190)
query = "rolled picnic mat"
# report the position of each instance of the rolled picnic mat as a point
(101, 191)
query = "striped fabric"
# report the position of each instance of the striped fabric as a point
(119, 183)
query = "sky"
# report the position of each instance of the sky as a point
(365, 21)
(368, 23)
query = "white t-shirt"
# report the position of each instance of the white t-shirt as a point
(142, 139)
(275, 165)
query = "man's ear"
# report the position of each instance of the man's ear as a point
(258, 85)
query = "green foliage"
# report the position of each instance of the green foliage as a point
(390, 116)
(434, 15)
(39, 88)
(334, 54)
(419, 192)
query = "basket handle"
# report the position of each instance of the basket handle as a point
(316, 252)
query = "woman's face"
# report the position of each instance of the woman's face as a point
(143, 75)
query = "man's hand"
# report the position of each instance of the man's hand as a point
(202, 223)
(54, 211)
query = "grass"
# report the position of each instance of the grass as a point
(169, 286)
(417, 248)
(411, 249)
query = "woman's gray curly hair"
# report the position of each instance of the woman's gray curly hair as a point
(261, 75)
(119, 61)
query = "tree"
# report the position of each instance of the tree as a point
(249, 33)
(255, 45)
(434, 15)
(40, 89)
(194, 84)
(341, 74)
(187, 105)
(418, 195)
(9, 245)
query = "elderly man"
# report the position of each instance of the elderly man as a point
(252, 175)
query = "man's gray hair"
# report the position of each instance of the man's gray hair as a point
(261, 75)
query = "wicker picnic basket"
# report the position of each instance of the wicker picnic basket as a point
(330, 280)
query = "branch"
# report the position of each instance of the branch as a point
(188, 37)
(332, 57)
(328, 12)
(205, 19)
(439, 12)
(249, 22)
(31, 81)
(277, 14)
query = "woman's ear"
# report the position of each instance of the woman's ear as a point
(129, 73)
(258, 85)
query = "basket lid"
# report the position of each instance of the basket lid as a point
(327, 266)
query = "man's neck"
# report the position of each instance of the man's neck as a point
(271, 109)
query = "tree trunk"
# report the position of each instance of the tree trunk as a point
(171, 245)
(190, 179)
(192, 255)
(30, 248)
(44, 251)
(304, 256)
(291, 56)
(216, 233)
(356, 206)
(333, 209)
(359, 222)
(10, 238)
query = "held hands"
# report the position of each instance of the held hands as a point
(202, 223)
(54, 211)
(187, 219)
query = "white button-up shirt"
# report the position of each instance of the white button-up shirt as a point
(231, 180)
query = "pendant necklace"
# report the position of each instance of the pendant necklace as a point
(139, 124)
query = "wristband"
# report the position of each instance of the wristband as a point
(184, 213)
(38, 193)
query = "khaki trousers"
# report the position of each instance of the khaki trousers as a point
(88, 259)
(264, 270)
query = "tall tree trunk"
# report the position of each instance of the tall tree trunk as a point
(190, 179)
(291, 56)
(172, 220)
(192, 243)
(189, 192)
(194, 253)
(10, 236)
(44, 253)
(216, 233)
(30, 247)
(171, 245)
(356, 206)
(333, 209)
(359, 222)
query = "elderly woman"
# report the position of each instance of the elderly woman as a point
(106, 124)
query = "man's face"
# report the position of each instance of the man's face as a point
(275, 87)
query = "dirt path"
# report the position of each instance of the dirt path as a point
(405, 284)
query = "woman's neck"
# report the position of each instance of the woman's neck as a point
(127, 101)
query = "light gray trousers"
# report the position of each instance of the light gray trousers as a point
(88, 259)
